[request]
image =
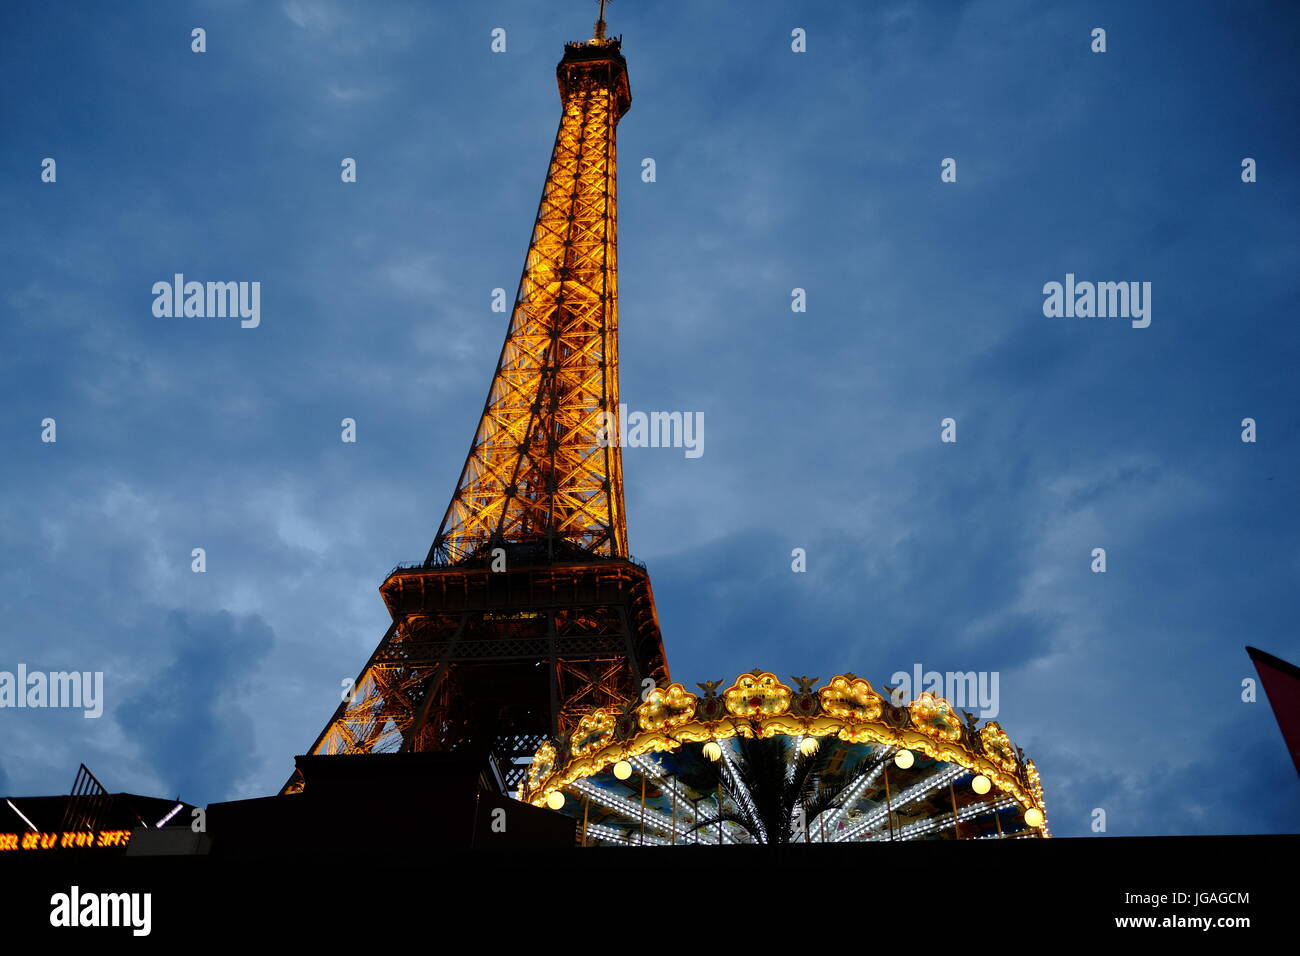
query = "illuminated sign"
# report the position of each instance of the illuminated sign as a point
(51, 841)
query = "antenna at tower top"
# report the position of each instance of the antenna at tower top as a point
(599, 33)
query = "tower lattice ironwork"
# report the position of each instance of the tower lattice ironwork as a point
(534, 472)
(528, 610)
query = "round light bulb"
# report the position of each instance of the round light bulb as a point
(622, 770)
(1034, 817)
(809, 746)
(904, 759)
(555, 799)
(712, 750)
(981, 784)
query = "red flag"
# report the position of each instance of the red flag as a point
(1281, 682)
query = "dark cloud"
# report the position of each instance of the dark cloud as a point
(188, 718)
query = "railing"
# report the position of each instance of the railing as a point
(483, 561)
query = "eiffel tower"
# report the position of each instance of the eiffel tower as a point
(528, 610)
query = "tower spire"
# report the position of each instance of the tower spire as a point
(527, 610)
(538, 477)
(599, 33)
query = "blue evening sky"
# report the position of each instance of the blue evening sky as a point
(775, 170)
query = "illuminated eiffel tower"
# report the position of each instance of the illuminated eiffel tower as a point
(528, 609)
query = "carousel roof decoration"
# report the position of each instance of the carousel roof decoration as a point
(762, 760)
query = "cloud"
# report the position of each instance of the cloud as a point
(318, 16)
(352, 94)
(192, 719)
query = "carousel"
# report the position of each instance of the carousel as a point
(762, 761)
